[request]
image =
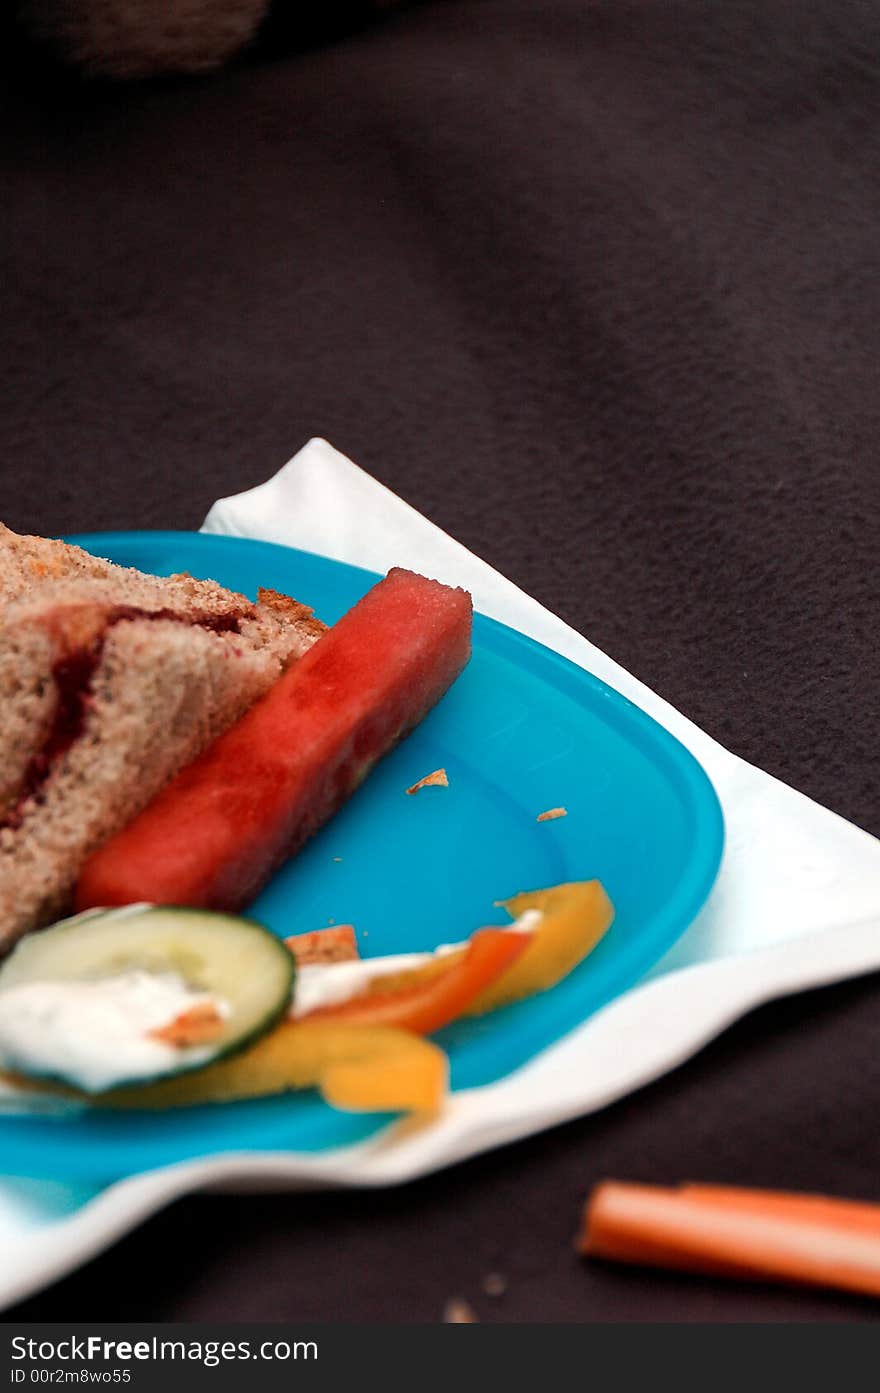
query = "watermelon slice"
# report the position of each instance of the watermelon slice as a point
(217, 832)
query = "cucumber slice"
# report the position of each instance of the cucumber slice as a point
(80, 1002)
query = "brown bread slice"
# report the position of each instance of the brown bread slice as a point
(111, 681)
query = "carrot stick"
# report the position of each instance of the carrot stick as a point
(853, 1214)
(775, 1238)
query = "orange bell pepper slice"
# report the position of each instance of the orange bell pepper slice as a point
(407, 1079)
(574, 918)
(428, 998)
(355, 1067)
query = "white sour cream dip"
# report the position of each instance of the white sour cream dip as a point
(95, 1033)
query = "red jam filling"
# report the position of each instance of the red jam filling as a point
(73, 676)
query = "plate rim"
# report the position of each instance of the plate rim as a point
(707, 822)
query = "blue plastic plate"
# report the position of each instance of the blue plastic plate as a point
(521, 731)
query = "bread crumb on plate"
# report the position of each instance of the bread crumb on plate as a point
(436, 780)
(336, 945)
(551, 814)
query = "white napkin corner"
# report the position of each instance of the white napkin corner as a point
(796, 904)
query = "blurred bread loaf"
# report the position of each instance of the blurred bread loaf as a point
(121, 39)
(142, 38)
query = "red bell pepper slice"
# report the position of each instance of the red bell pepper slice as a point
(435, 998)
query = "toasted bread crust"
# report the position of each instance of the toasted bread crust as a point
(171, 663)
(333, 945)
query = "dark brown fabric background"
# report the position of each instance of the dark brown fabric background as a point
(595, 286)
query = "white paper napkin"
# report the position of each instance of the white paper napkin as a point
(796, 904)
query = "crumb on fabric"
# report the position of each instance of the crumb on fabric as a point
(551, 814)
(436, 780)
(458, 1312)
